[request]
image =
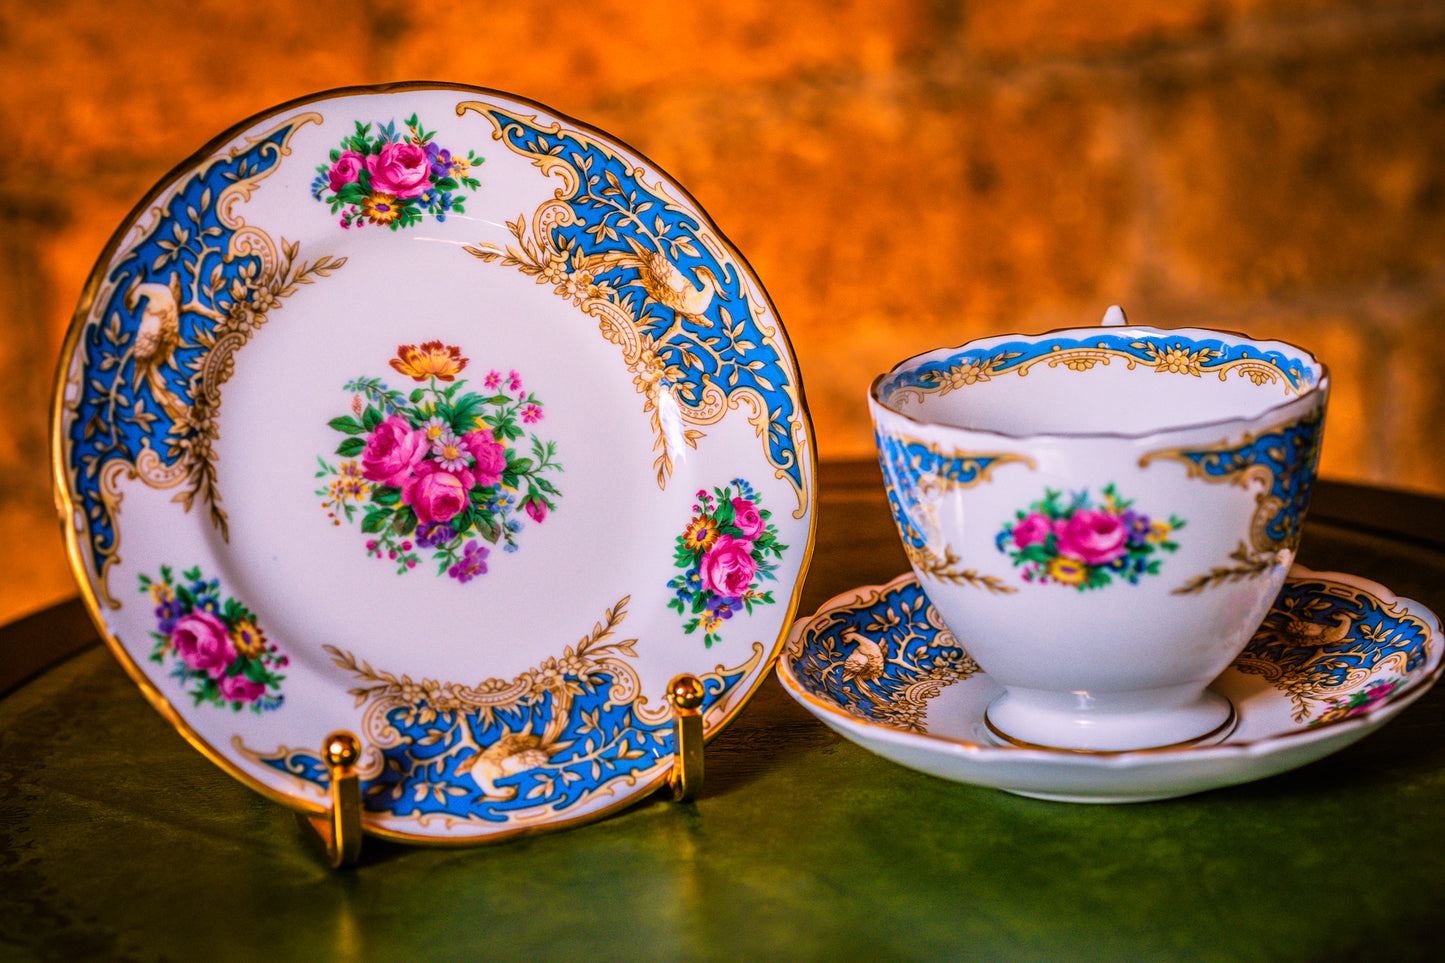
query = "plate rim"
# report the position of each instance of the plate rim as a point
(804, 450)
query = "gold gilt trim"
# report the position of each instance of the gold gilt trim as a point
(945, 568)
(1164, 359)
(154, 345)
(573, 273)
(1261, 552)
(1301, 680)
(955, 471)
(455, 712)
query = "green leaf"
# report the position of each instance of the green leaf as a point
(489, 528)
(386, 495)
(351, 447)
(468, 411)
(375, 521)
(371, 418)
(347, 424)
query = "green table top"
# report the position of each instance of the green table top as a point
(119, 841)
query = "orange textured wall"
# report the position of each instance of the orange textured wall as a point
(900, 174)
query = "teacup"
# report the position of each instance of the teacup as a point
(1102, 517)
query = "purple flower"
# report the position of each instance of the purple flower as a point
(167, 613)
(724, 607)
(433, 534)
(1137, 526)
(472, 563)
(441, 160)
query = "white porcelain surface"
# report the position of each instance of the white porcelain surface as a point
(425, 413)
(1105, 513)
(1336, 658)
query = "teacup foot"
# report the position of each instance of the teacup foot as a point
(1012, 720)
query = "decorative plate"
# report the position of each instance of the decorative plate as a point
(1335, 659)
(430, 414)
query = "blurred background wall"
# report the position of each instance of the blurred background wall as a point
(900, 174)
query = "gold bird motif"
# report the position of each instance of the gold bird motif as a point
(865, 661)
(156, 338)
(664, 283)
(1297, 632)
(509, 755)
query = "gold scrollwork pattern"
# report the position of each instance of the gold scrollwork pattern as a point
(1166, 353)
(508, 751)
(190, 289)
(1281, 463)
(883, 659)
(661, 287)
(918, 475)
(1335, 646)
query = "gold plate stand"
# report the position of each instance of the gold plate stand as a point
(337, 830)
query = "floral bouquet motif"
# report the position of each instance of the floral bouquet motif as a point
(221, 655)
(1076, 543)
(394, 179)
(435, 470)
(727, 549)
(1360, 702)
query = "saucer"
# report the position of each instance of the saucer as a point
(1336, 658)
(429, 414)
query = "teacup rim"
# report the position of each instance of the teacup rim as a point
(1306, 398)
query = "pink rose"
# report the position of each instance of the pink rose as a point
(1032, 530)
(1091, 536)
(238, 688)
(435, 494)
(203, 644)
(536, 509)
(747, 518)
(489, 455)
(393, 451)
(728, 567)
(400, 169)
(345, 170)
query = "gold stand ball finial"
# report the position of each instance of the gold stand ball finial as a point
(342, 749)
(685, 692)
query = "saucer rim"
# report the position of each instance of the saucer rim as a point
(985, 753)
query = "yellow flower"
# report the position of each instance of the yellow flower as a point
(1067, 571)
(700, 534)
(246, 636)
(432, 360)
(1177, 360)
(1159, 532)
(380, 208)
